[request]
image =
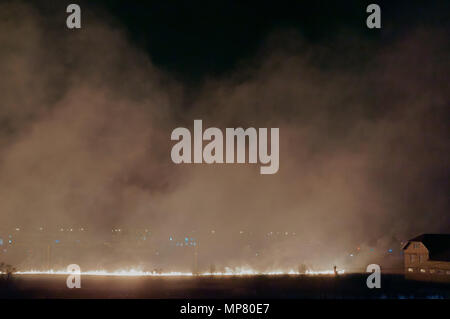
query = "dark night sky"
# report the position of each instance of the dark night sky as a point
(194, 39)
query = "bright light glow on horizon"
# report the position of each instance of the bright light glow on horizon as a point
(140, 273)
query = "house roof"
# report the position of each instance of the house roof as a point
(438, 245)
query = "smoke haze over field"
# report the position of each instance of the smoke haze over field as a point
(86, 117)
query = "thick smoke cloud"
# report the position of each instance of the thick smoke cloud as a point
(85, 123)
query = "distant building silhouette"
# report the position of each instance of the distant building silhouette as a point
(427, 257)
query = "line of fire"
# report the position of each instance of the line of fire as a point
(425, 257)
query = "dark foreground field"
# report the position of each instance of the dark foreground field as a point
(290, 287)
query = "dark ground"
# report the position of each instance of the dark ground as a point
(284, 287)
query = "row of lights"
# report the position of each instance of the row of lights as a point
(147, 231)
(61, 229)
(371, 249)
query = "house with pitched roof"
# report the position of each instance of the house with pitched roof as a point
(427, 257)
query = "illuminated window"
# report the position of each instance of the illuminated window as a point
(423, 270)
(410, 269)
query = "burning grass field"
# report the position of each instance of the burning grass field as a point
(346, 286)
